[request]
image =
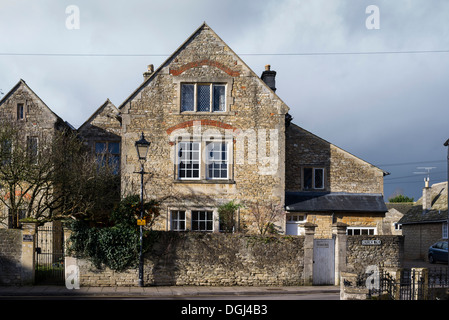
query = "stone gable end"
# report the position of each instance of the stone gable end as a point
(252, 109)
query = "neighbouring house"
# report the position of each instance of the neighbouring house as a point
(220, 133)
(22, 108)
(395, 212)
(426, 221)
(101, 133)
(326, 185)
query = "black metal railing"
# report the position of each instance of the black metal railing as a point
(412, 284)
(49, 255)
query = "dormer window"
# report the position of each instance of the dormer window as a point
(203, 97)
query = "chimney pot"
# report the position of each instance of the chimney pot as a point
(269, 77)
(149, 72)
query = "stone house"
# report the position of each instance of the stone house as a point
(425, 222)
(219, 132)
(101, 133)
(35, 121)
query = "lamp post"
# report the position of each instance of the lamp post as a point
(142, 147)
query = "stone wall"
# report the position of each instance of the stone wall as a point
(419, 238)
(10, 256)
(209, 259)
(389, 253)
(217, 259)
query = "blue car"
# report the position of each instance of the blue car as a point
(438, 252)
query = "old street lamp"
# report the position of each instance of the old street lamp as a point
(142, 147)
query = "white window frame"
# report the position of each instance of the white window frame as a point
(176, 220)
(189, 151)
(211, 96)
(294, 218)
(198, 221)
(350, 231)
(204, 160)
(212, 161)
(397, 226)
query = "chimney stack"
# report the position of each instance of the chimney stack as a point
(426, 196)
(149, 72)
(269, 77)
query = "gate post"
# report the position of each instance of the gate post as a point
(308, 253)
(420, 283)
(396, 276)
(339, 232)
(28, 260)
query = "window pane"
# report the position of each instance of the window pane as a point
(217, 160)
(319, 179)
(187, 97)
(219, 97)
(203, 97)
(178, 220)
(202, 220)
(100, 147)
(20, 111)
(188, 160)
(308, 178)
(114, 147)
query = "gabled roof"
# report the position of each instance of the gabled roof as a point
(22, 82)
(97, 112)
(385, 173)
(180, 48)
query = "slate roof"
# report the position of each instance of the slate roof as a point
(438, 212)
(334, 202)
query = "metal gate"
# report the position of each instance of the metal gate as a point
(323, 262)
(50, 254)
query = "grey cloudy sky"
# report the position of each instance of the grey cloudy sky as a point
(389, 108)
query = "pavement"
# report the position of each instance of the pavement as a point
(12, 292)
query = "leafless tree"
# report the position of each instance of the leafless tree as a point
(265, 216)
(52, 179)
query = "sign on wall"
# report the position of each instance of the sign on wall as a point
(371, 242)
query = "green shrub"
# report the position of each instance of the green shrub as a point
(116, 246)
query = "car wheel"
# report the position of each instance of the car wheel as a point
(431, 259)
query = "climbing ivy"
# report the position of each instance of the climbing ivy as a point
(116, 246)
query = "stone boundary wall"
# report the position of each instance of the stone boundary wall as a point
(209, 259)
(10, 254)
(17, 260)
(363, 251)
